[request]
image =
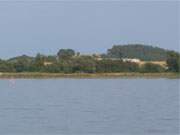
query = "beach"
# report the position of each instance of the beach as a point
(89, 75)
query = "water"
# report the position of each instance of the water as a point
(89, 106)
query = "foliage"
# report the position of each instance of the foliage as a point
(65, 53)
(116, 66)
(6, 66)
(142, 52)
(152, 68)
(173, 61)
(84, 64)
(67, 61)
(23, 58)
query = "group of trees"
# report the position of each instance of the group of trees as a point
(173, 61)
(142, 52)
(68, 61)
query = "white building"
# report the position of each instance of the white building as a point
(47, 63)
(131, 60)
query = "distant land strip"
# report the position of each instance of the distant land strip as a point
(88, 75)
(118, 61)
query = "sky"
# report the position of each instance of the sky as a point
(31, 27)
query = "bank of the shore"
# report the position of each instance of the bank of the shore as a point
(89, 75)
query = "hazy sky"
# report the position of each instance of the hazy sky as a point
(45, 27)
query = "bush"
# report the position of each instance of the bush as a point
(116, 66)
(6, 67)
(173, 61)
(151, 68)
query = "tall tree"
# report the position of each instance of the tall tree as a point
(65, 53)
(39, 60)
(173, 61)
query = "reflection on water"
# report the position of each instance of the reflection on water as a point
(89, 106)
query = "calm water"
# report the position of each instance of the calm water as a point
(89, 106)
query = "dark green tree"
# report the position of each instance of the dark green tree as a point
(143, 52)
(65, 53)
(151, 68)
(108, 66)
(38, 63)
(85, 64)
(6, 66)
(173, 61)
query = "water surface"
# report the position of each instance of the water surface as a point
(89, 106)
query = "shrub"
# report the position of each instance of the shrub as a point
(151, 68)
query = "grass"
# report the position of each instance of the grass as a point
(89, 75)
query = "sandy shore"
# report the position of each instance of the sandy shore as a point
(90, 75)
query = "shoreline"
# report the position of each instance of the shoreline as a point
(88, 75)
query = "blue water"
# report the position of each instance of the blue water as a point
(89, 106)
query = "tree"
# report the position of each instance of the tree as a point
(151, 68)
(20, 66)
(50, 58)
(173, 61)
(108, 66)
(6, 66)
(85, 64)
(142, 52)
(65, 53)
(38, 62)
(21, 63)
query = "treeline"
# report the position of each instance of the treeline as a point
(142, 52)
(68, 61)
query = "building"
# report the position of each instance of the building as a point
(134, 60)
(47, 63)
(97, 57)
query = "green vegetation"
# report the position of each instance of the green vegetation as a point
(6, 66)
(142, 52)
(68, 61)
(152, 68)
(65, 53)
(173, 61)
(110, 66)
